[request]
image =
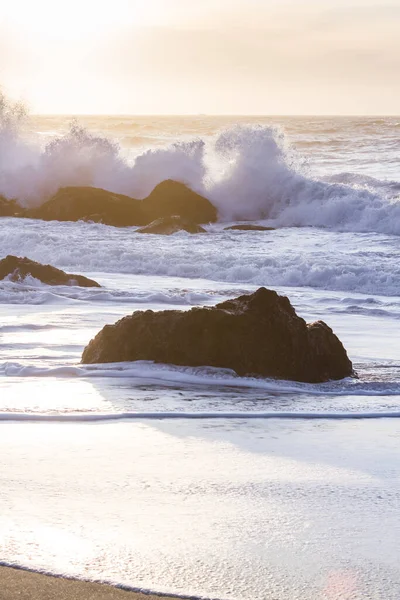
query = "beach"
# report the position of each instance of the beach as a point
(26, 585)
(276, 507)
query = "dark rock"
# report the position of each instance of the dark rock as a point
(5, 209)
(248, 228)
(169, 225)
(171, 198)
(256, 334)
(9, 208)
(94, 204)
(18, 268)
(79, 203)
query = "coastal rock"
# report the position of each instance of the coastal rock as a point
(88, 203)
(248, 228)
(257, 334)
(169, 225)
(169, 198)
(19, 268)
(9, 208)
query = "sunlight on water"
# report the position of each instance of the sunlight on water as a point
(50, 395)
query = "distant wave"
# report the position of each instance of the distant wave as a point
(248, 172)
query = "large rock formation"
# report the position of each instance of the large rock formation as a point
(248, 228)
(19, 268)
(169, 198)
(256, 334)
(169, 225)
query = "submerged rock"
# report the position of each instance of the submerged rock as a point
(248, 228)
(94, 204)
(256, 334)
(169, 225)
(19, 268)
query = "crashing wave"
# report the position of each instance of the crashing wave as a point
(248, 172)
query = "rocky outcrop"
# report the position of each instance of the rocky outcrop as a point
(257, 334)
(169, 198)
(18, 268)
(248, 228)
(9, 208)
(5, 208)
(169, 225)
(91, 204)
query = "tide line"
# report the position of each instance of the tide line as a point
(158, 416)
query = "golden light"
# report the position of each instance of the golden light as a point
(187, 57)
(62, 51)
(76, 18)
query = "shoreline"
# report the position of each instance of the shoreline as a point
(26, 584)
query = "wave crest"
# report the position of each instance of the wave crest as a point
(248, 172)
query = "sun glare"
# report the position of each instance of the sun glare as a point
(183, 56)
(76, 18)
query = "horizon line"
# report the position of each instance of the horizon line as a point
(218, 115)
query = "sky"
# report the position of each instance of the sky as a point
(261, 57)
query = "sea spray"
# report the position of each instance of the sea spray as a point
(248, 172)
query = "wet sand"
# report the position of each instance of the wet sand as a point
(17, 584)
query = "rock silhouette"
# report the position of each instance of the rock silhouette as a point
(168, 199)
(258, 334)
(19, 268)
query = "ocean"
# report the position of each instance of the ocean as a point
(195, 481)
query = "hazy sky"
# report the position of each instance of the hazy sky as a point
(202, 56)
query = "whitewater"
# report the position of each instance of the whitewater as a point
(195, 481)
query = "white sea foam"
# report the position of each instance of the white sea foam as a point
(364, 263)
(32, 291)
(145, 372)
(248, 172)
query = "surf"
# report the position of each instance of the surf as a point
(248, 172)
(146, 372)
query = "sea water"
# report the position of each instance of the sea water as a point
(193, 480)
